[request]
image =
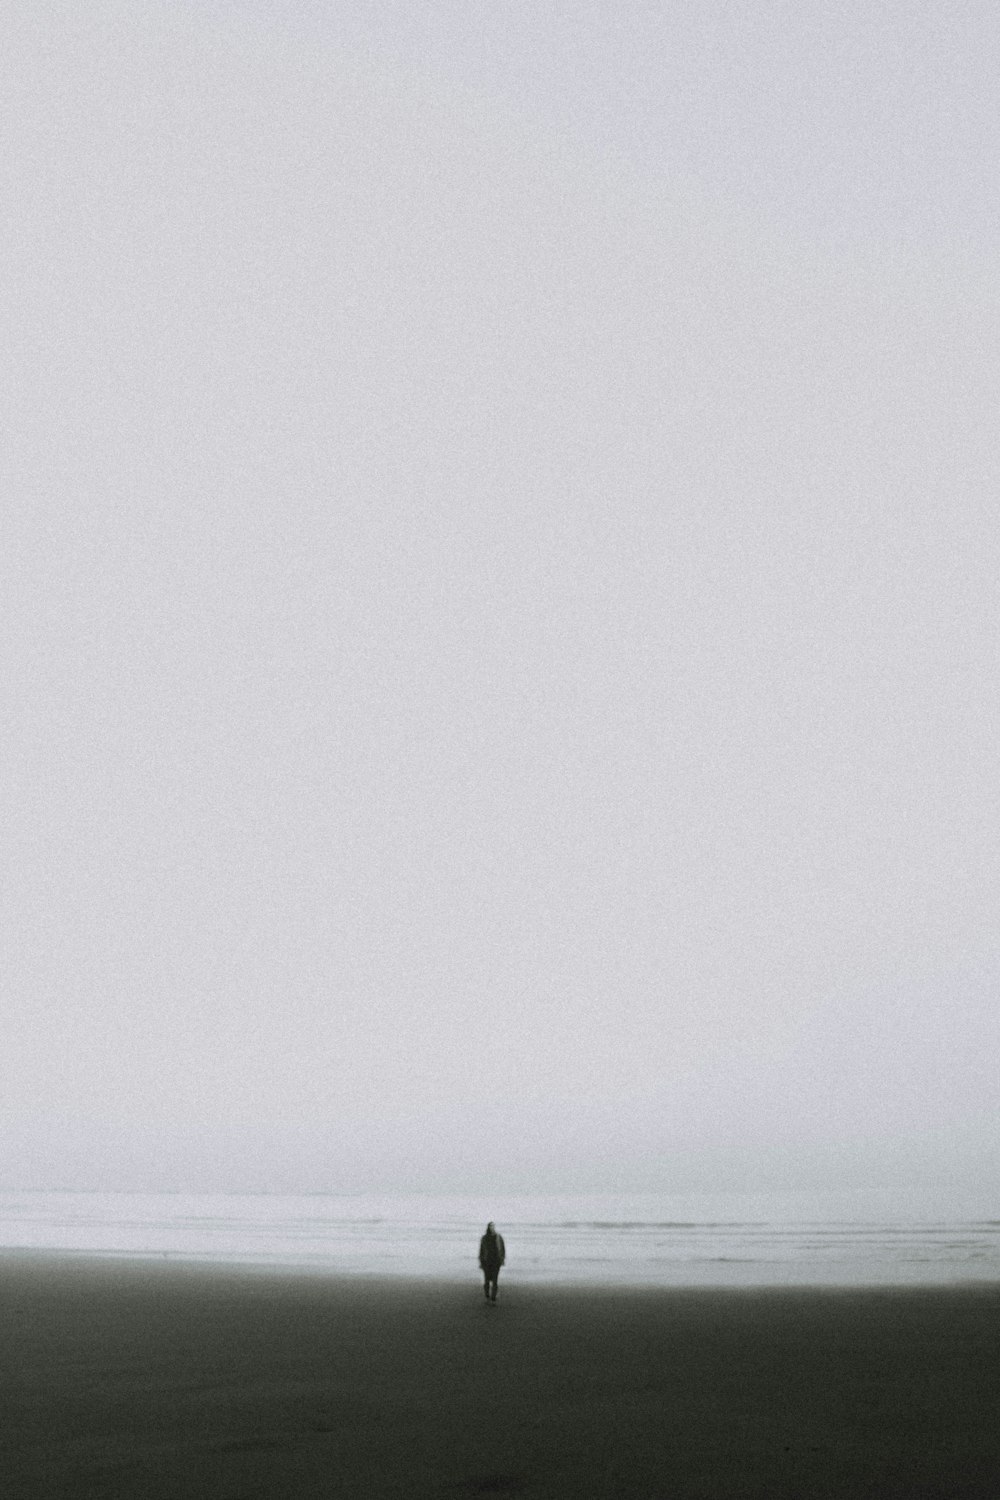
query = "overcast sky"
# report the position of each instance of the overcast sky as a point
(499, 595)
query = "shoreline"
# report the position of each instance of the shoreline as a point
(327, 1268)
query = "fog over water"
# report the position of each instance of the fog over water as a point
(732, 1240)
(499, 598)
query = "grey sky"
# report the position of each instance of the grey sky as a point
(499, 595)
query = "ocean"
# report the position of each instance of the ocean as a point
(639, 1239)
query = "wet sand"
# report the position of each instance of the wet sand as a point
(155, 1381)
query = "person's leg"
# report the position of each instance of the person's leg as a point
(496, 1277)
(486, 1285)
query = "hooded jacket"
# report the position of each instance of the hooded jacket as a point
(492, 1251)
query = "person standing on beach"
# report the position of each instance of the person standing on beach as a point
(492, 1254)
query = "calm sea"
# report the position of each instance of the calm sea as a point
(643, 1239)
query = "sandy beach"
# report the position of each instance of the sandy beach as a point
(135, 1379)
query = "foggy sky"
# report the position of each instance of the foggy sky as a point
(499, 595)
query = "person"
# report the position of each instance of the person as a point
(492, 1254)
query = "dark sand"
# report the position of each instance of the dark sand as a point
(125, 1379)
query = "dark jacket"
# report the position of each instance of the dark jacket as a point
(492, 1252)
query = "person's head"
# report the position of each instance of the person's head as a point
(490, 1228)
